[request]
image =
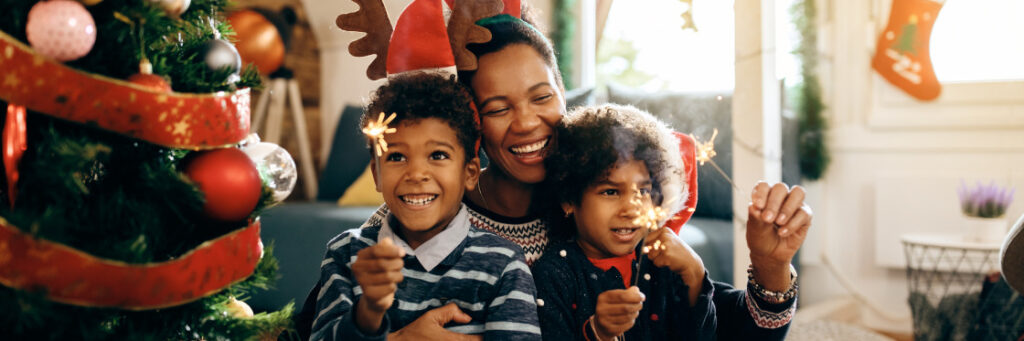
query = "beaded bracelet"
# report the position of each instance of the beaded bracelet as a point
(769, 296)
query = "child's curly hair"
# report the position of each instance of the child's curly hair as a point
(418, 95)
(592, 140)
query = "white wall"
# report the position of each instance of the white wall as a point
(886, 145)
(343, 77)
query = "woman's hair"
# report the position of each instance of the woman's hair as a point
(419, 95)
(505, 31)
(591, 141)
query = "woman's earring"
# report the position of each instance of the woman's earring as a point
(568, 213)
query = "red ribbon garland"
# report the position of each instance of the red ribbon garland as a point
(14, 144)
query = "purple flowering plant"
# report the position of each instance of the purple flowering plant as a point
(985, 201)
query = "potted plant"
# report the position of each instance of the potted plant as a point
(984, 207)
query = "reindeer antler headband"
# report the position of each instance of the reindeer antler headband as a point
(423, 27)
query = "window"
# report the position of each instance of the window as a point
(978, 40)
(644, 46)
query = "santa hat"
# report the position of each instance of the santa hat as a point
(420, 40)
(679, 176)
(430, 35)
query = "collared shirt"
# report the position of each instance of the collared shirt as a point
(433, 251)
(483, 274)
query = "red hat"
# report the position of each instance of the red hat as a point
(430, 35)
(420, 39)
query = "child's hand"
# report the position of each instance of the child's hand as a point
(378, 269)
(617, 311)
(666, 249)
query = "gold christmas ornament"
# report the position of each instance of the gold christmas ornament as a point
(238, 308)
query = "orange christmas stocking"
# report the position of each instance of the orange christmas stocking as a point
(901, 55)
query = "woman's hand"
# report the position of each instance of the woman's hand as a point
(777, 224)
(430, 326)
(617, 311)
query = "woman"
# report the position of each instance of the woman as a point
(519, 94)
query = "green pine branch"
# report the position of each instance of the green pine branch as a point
(814, 155)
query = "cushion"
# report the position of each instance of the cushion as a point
(579, 97)
(348, 157)
(697, 114)
(362, 192)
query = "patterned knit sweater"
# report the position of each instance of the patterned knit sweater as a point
(485, 275)
(527, 232)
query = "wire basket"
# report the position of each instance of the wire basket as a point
(956, 292)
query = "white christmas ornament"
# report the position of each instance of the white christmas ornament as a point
(173, 7)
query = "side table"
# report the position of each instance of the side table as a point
(946, 277)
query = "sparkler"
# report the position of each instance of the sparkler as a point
(705, 153)
(375, 132)
(647, 218)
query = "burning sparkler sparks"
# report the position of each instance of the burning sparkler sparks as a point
(705, 153)
(376, 130)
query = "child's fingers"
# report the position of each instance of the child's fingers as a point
(380, 278)
(386, 249)
(375, 265)
(621, 296)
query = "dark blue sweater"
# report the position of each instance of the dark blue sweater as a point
(569, 285)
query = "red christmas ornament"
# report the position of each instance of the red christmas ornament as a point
(229, 180)
(14, 145)
(151, 81)
(147, 79)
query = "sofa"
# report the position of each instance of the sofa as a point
(299, 231)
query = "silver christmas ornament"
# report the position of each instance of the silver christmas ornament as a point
(275, 165)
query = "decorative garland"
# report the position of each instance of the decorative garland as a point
(814, 156)
(175, 120)
(68, 275)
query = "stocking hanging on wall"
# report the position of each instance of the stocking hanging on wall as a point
(901, 55)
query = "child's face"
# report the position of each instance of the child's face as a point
(604, 216)
(423, 176)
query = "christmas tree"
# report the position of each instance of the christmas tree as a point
(131, 186)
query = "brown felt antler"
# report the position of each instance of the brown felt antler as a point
(371, 18)
(462, 28)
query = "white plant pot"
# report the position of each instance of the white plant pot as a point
(985, 230)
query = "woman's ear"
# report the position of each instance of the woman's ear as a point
(472, 172)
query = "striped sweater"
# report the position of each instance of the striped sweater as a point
(529, 233)
(486, 276)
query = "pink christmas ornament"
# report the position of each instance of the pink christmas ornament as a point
(61, 29)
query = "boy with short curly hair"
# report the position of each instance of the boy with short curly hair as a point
(425, 253)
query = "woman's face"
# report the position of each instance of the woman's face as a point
(520, 102)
